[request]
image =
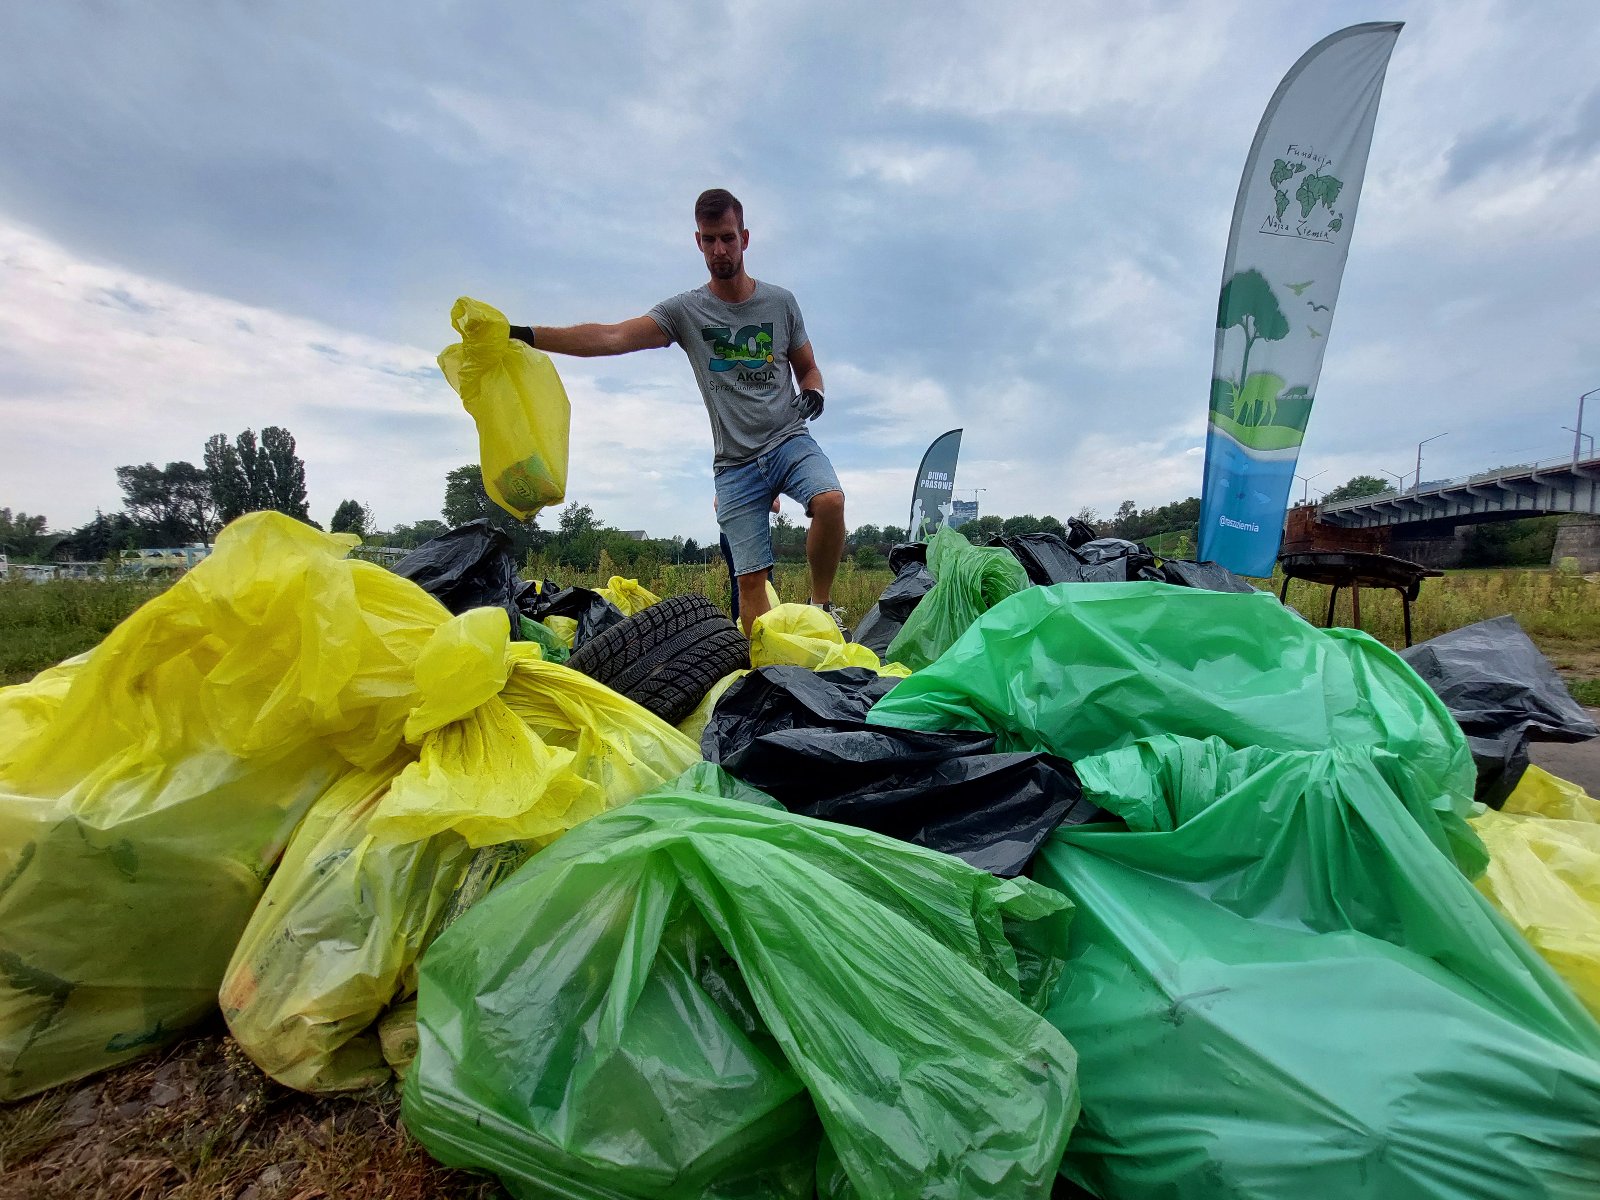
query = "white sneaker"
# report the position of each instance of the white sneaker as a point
(838, 615)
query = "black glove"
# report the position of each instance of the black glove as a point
(808, 404)
(523, 333)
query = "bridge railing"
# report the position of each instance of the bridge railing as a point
(1434, 486)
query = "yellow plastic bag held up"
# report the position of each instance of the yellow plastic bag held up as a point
(1544, 874)
(519, 405)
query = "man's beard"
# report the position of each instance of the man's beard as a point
(724, 270)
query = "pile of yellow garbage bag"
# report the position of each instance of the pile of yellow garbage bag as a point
(1544, 874)
(279, 692)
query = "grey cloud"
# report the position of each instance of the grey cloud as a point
(1499, 144)
(122, 298)
(1562, 139)
(1583, 139)
(236, 155)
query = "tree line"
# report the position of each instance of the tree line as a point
(181, 503)
(184, 503)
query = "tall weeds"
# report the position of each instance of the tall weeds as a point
(1552, 607)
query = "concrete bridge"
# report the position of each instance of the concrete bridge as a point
(1426, 523)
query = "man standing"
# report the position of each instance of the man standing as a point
(759, 379)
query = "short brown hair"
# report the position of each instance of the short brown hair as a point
(714, 203)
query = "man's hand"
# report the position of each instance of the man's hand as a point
(808, 404)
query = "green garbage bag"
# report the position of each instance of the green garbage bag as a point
(550, 643)
(969, 580)
(697, 996)
(1082, 668)
(1279, 988)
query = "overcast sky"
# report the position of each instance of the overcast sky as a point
(1007, 217)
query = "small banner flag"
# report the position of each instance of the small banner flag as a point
(933, 498)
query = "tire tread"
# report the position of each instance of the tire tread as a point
(667, 657)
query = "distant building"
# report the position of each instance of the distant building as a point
(159, 561)
(40, 572)
(384, 556)
(961, 512)
(633, 535)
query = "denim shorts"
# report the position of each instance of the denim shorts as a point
(796, 468)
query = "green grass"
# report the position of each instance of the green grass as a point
(43, 623)
(1586, 691)
(1176, 543)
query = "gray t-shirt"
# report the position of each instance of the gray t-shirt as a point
(740, 356)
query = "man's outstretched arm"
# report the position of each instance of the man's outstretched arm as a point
(593, 341)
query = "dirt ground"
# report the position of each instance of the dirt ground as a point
(200, 1122)
(1579, 762)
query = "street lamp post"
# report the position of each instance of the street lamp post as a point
(1305, 496)
(1416, 484)
(1580, 433)
(1400, 480)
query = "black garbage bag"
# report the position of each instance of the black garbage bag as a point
(875, 631)
(884, 619)
(907, 552)
(1079, 532)
(468, 567)
(1046, 557)
(1209, 576)
(772, 699)
(1502, 692)
(1051, 558)
(529, 589)
(801, 737)
(909, 587)
(1117, 560)
(593, 612)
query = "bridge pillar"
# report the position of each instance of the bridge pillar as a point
(1444, 551)
(1578, 537)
